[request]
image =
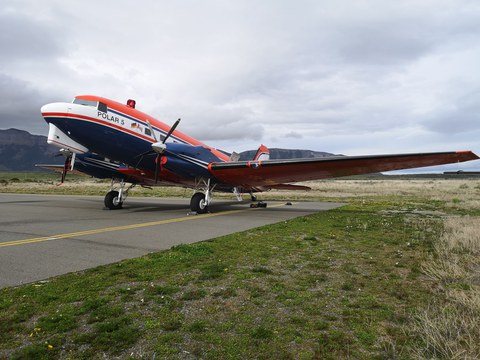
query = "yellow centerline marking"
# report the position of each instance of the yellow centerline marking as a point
(124, 227)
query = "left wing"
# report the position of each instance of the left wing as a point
(59, 169)
(273, 172)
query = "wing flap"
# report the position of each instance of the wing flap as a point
(273, 172)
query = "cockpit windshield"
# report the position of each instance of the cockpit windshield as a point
(85, 102)
(96, 104)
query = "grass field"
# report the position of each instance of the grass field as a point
(393, 274)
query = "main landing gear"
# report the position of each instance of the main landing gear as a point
(201, 199)
(117, 195)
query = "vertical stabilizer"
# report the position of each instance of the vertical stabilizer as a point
(262, 153)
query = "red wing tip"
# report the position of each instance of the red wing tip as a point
(468, 152)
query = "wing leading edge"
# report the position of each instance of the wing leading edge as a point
(273, 172)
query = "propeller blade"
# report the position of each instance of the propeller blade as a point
(161, 149)
(149, 152)
(72, 161)
(151, 130)
(66, 166)
(157, 148)
(172, 129)
(157, 167)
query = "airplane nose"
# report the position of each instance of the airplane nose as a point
(45, 108)
(50, 110)
(55, 107)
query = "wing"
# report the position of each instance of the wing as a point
(59, 169)
(274, 172)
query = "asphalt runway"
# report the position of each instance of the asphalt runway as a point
(47, 235)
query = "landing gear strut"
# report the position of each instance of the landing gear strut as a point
(115, 198)
(202, 198)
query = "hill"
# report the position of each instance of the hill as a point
(20, 151)
(276, 153)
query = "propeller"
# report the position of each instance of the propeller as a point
(69, 162)
(159, 147)
(65, 168)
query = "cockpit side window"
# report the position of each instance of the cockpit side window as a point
(102, 107)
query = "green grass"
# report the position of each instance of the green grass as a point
(335, 284)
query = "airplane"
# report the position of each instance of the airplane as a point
(107, 139)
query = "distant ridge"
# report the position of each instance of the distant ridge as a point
(276, 153)
(20, 151)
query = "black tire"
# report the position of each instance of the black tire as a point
(112, 201)
(198, 204)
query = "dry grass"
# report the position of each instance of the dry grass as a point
(455, 192)
(449, 325)
(451, 191)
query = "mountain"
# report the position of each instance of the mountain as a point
(276, 153)
(20, 151)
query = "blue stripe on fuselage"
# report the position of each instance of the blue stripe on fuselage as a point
(144, 123)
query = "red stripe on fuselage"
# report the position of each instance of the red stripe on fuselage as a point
(65, 145)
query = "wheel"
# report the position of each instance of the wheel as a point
(259, 204)
(198, 203)
(112, 201)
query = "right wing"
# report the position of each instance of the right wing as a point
(270, 173)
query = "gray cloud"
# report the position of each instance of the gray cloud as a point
(461, 116)
(293, 135)
(20, 105)
(344, 76)
(25, 40)
(30, 48)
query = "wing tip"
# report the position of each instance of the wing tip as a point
(468, 154)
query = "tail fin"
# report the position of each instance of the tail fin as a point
(262, 153)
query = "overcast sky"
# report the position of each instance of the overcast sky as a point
(343, 76)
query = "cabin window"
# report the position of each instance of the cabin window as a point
(148, 132)
(102, 107)
(85, 102)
